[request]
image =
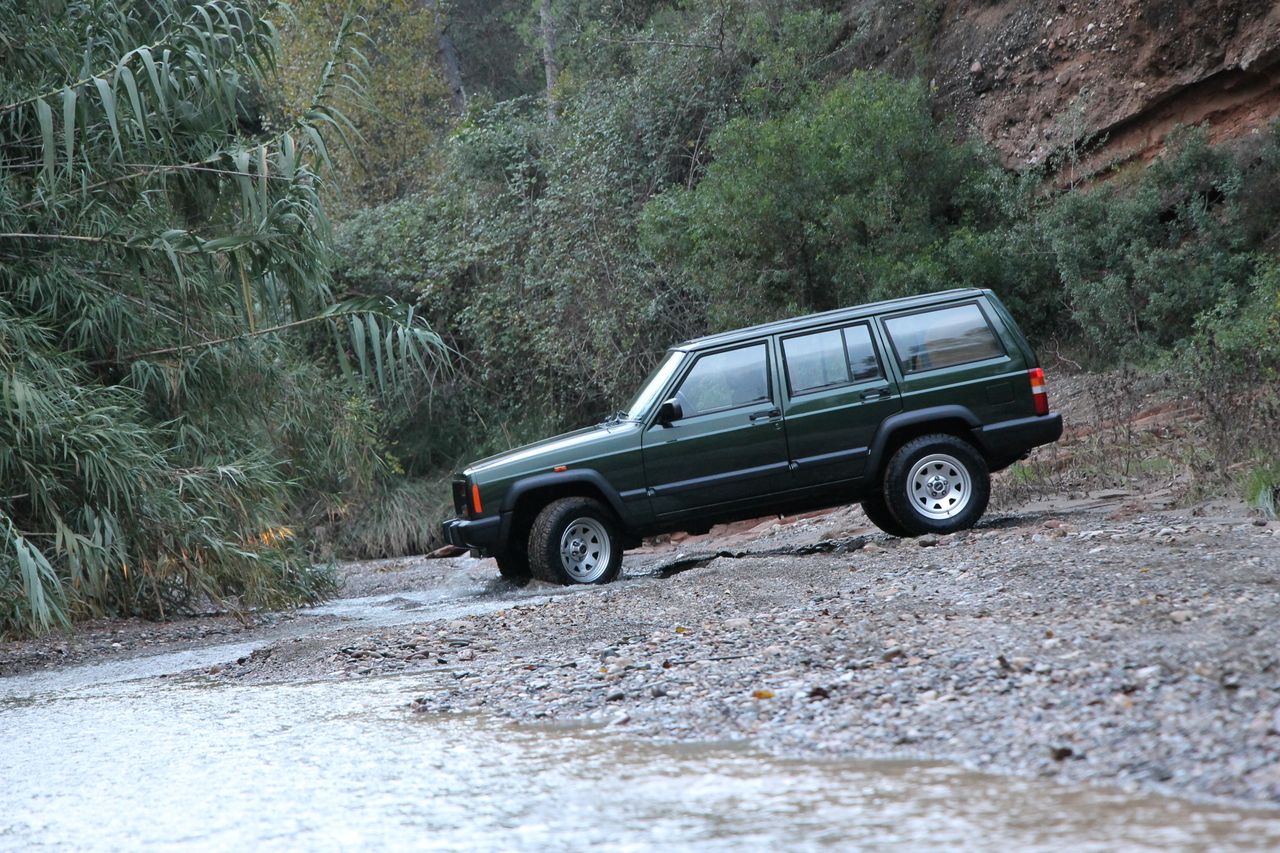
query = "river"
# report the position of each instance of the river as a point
(97, 758)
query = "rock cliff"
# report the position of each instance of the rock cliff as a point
(1110, 78)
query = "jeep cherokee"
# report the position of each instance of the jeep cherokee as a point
(906, 405)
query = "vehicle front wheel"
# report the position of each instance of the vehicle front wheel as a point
(937, 484)
(575, 540)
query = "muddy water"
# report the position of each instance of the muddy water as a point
(158, 763)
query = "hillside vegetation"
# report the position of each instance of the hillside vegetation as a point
(704, 165)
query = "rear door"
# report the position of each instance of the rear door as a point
(729, 450)
(838, 392)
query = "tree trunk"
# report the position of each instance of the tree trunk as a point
(549, 64)
(447, 56)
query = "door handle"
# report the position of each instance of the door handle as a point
(756, 416)
(875, 394)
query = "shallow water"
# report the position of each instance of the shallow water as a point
(344, 765)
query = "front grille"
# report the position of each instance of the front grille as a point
(460, 498)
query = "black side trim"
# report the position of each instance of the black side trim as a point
(633, 495)
(837, 456)
(715, 479)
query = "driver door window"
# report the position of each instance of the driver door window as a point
(725, 380)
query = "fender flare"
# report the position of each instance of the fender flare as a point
(588, 476)
(918, 416)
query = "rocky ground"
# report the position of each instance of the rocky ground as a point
(1091, 644)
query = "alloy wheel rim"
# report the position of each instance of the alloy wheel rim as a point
(585, 550)
(939, 486)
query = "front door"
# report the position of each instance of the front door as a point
(728, 451)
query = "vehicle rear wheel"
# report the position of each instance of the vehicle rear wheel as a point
(937, 484)
(878, 511)
(514, 567)
(575, 540)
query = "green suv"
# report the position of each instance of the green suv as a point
(906, 405)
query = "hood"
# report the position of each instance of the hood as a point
(562, 449)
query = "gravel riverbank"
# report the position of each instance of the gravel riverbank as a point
(1139, 650)
(1097, 642)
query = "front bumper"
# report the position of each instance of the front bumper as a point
(479, 535)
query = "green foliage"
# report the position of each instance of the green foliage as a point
(159, 433)
(397, 102)
(1140, 261)
(853, 194)
(526, 247)
(401, 516)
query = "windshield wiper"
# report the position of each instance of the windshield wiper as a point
(616, 418)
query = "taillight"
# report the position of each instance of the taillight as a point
(476, 507)
(1039, 392)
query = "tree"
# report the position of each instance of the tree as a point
(411, 91)
(851, 194)
(165, 314)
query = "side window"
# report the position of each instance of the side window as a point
(862, 354)
(942, 338)
(726, 380)
(815, 361)
(831, 357)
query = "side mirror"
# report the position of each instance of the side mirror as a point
(670, 411)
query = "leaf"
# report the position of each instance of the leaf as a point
(69, 122)
(762, 694)
(46, 136)
(153, 74)
(108, 98)
(135, 101)
(376, 345)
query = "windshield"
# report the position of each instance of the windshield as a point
(653, 386)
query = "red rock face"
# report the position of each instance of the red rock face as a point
(1109, 78)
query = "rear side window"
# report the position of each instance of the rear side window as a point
(829, 358)
(863, 363)
(942, 338)
(726, 380)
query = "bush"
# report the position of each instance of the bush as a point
(1141, 260)
(853, 194)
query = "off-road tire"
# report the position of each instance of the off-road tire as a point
(514, 567)
(600, 539)
(878, 512)
(937, 484)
